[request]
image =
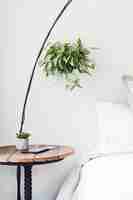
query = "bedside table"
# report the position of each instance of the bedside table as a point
(11, 157)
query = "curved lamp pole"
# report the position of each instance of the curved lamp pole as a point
(35, 65)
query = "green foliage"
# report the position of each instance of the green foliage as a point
(69, 61)
(23, 135)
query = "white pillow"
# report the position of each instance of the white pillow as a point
(108, 177)
(115, 122)
(70, 184)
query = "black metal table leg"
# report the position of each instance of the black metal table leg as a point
(28, 182)
(18, 183)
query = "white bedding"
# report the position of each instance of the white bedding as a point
(70, 185)
(115, 127)
(108, 177)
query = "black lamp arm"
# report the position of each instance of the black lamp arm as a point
(35, 64)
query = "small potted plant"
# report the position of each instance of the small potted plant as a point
(22, 141)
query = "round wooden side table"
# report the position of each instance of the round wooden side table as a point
(11, 157)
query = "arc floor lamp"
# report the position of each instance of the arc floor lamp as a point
(35, 65)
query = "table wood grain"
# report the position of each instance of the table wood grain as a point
(9, 155)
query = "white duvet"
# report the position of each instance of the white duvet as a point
(107, 178)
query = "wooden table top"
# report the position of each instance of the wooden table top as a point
(10, 156)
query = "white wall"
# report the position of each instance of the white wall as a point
(104, 24)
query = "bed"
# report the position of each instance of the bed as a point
(106, 177)
(106, 173)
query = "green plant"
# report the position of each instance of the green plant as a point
(69, 60)
(23, 135)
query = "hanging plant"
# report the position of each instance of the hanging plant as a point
(69, 60)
